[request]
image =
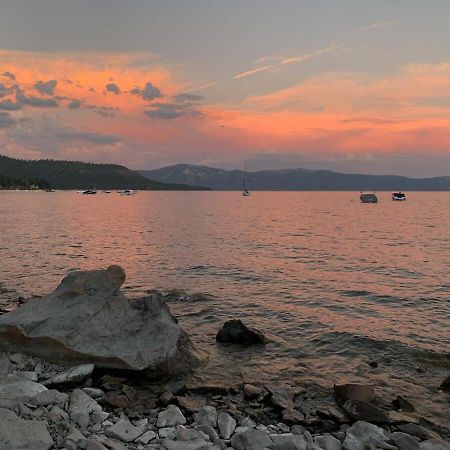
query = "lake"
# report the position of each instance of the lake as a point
(332, 282)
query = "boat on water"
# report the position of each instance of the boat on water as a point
(368, 197)
(89, 192)
(245, 191)
(127, 192)
(398, 196)
(49, 190)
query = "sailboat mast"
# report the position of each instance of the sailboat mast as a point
(245, 177)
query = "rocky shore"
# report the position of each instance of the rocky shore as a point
(85, 368)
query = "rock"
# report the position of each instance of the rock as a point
(188, 434)
(88, 320)
(445, 385)
(28, 375)
(226, 425)
(206, 416)
(19, 434)
(362, 433)
(74, 375)
(5, 367)
(94, 445)
(166, 398)
(337, 414)
(251, 440)
(170, 417)
(81, 407)
(251, 391)
(372, 363)
(359, 392)
(50, 397)
(191, 404)
(196, 444)
(401, 404)
(146, 437)
(93, 392)
(287, 441)
(209, 431)
(328, 442)
(292, 416)
(116, 400)
(124, 431)
(74, 438)
(416, 430)
(404, 441)
(359, 410)
(168, 432)
(434, 444)
(398, 417)
(15, 390)
(235, 332)
(282, 396)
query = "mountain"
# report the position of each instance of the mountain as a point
(81, 175)
(292, 180)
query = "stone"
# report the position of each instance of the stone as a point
(168, 432)
(398, 417)
(188, 434)
(226, 424)
(116, 400)
(416, 430)
(287, 441)
(14, 390)
(337, 414)
(209, 431)
(251, 440)
(328, 442)
(88, 320)
(359, 392)
(445, 385)
(292, 416)
(434, 444)
(166, 398)
(191, 404)
(93, 392)
(362, 433)
(146, 437)
(123, 430)
(74, 438)
(74, 375)
(282, 396)
(170, 417)
(401, 404)
(404, 441)
(235, 332)
(94, 445)
(50, 397)
(81, 407)
(359, 410)
(206, 416)
(19, 434)
(28, 375)
(196, 444)
(5, 367)
(251, 391)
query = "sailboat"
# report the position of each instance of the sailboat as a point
(245, 191)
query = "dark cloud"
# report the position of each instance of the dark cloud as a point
(35, 101)
(74, 104)
(6, 120)
(95, 138)
(103, 113)
(112, 87)
(46, 87)
(187, 98)
(3, 90)
(8, 105)
(9, 75)
(165, 111)
(149, 92)
(69, 81)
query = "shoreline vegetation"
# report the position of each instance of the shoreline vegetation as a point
(86, 368)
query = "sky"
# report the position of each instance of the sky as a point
(348, 85)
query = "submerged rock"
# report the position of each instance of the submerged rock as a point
(359, 392)
(235, 332)
(445, 385)
(88, 320)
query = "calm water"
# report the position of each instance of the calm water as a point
(333, 282)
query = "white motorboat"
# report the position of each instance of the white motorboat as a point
(128, 192)
(398, 196)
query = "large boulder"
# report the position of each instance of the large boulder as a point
(87, 319)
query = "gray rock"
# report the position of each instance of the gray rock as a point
(196, 444)
(170, 417)
(251, 440)
(146, 437)
(209, 431)
(445, 385)
(226, 425)
(328, 442)
(367, 412)
(14, 390)
(94, 445)
(362, 433)
(235, 332)
(404, 441)
(168, 432)
(206, 416)
(88, 320)
(81, 407)
(189, 434)
(93, 392)
(50, 397)
(76, 374)
(251, 391)
(123, 430)
(287, 441)
(27, 375)
(5, 366)
(434, 444)
(19, 434)
(416, 430)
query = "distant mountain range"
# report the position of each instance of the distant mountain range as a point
(78, 175)
(292, 180)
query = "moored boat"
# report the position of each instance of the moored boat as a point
(89, 192)
(368, 197)
(398, 196)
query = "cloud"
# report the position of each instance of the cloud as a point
(35, 101)
(46, 87)
(186, 97)
(378, 25)
(3, 90)
(88, 136)
(203, 86)
(112, 87)
(8, 105)
(9, 75)
(247, 73)
(74, 104)
(6, 120)
(149, 93)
